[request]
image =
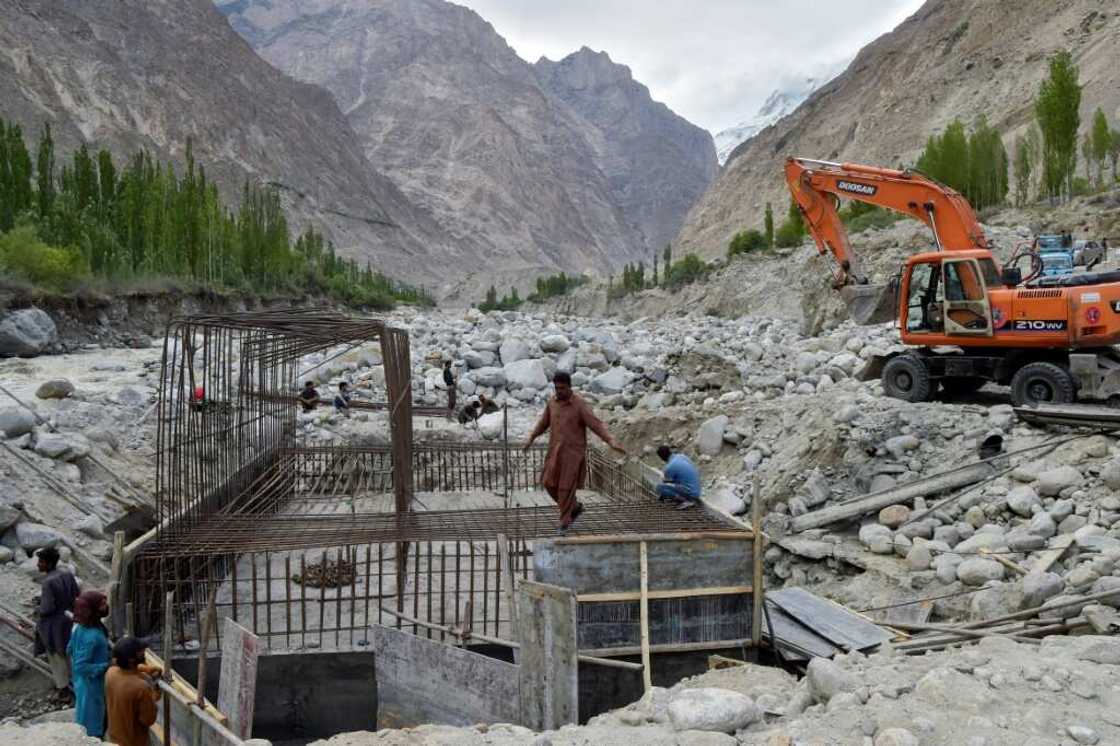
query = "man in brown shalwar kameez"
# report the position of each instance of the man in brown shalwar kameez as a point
(569, 418)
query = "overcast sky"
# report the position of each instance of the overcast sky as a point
(712, 61)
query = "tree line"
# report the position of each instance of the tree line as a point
(84, 217)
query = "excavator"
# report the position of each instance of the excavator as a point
(966, 320)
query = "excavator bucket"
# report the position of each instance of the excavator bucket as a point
(870, 304)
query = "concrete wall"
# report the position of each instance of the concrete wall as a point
(425, 681)
(304, 695)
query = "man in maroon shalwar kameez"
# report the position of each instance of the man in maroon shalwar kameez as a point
(568, 418)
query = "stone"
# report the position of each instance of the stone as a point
(525, 374)
(56, 388)
(1102, 650)
(1083, 734)
(709, 438)
(877, 538)
(1024, 501)
(1042, 524)
(894, 516)
(567, 362)
(9, 515)
(15, 421)
(712, 709)
(1024, 541)
(554, 343)
(65, 446)
(489, 376)
(33, 536)
(513, 350)
(26, 332)
(919, 558)
(1107, 584)
(1072, 523)
(725, 499)
(826, 680)
(614, 381)
(977, 571)
(1061, 509)
(1110, 474)
(131, 397)
(591, 357)
(1053, 481)
(479, 359)
(818, 488)
(490, 425)
(895, 737)
(1040, 587)
(6, 555)
(900, 444)
(91, 526)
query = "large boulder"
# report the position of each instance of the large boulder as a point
(15, 421)
(712, 709)
(513, 350)
(492, 377)
(614, 381)
(34, 536)
(65, 446)
(826, 680)
(978, 570)
(8, 516)
(479, 358)
(27, 332)
(709, 438)
(1024, 501)
(554, 343)
(1053, 481)
(525, 374)
(56, 388)
(1040, 587)
(490, 425)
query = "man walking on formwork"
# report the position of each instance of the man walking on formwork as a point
(568, 417)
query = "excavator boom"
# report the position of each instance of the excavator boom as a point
(817, 187)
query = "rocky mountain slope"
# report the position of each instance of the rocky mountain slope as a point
(656, 163)
(566, 166)
(132, 74)
(953, 58)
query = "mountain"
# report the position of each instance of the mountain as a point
(951, 58)
(657, 164)
(778, 104)
(149, 74)
(539, 166)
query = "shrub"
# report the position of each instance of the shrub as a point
(689, 269)
(744, 241)
(23, 254)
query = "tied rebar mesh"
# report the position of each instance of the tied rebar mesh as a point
(245, 507)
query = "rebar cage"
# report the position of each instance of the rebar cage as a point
(309, 545)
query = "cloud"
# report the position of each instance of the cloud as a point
(712, 61)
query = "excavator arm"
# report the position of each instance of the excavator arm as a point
(817, 185)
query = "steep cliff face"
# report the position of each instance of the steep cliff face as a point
(953, 58)
(132, 74)
(656, 163)
(541, 167)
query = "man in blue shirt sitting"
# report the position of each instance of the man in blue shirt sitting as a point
(681, 481)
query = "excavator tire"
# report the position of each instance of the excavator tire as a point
(906, 377)
(961, 385)
(1038, 383)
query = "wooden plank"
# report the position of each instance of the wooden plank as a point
(832, 621)
(1059, 547)
(237, 685)
(1009, 564)
(549, 669)
(636, 538)
(727, 590)
(647, 680)
(943, 482)
(757, 579)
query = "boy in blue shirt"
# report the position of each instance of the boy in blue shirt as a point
(681, 481)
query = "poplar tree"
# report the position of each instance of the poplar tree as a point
(768, 226)
(1057, 108)
(1102, 142)
(45, 172)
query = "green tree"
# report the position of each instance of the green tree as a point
(768, 226)
(792, 230)
(1087, 156)
(667, 260)
(45, 173)
(655, 282)
(1114, 151)
(1057, 108)
(1102, 142)
(1023, 164)
(744, 241)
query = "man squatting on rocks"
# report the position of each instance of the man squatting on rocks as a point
(55, 603)
(569, 418)
(681, 480)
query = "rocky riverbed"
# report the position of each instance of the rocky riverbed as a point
(767, 412)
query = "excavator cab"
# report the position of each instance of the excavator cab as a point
(946, 295)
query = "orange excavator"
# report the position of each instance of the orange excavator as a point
(966, 320)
